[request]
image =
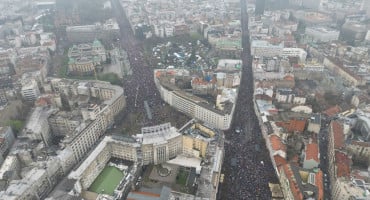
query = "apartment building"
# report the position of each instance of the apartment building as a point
(87, 33)
(194, 106)
(299, 184)
(320, 34)
(83, 58)
(30, 90)
(160, 143)
(262, 48)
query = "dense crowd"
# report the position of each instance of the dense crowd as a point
(140, 86)
(248, 177)
(247, 165)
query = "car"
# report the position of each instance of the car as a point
(237, 129)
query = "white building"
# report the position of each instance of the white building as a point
(294, 52)
(30, 90)
(321, 34)
(355, 189)
(196, 107)
(37, 127)
(262, 48)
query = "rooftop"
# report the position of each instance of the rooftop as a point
(304, 184)
(338, 134)
(276, 143)
(343, 164)
(312, 152)
(157, 134)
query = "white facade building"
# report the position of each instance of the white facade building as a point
(321, 34)
(30, 90)
(294, 52)
(262, 48)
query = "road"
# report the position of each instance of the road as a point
(249, 177)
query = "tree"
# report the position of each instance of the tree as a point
(17, 125)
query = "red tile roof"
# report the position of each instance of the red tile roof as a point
(289, 78)
(343, 164)
(294, 188)
(293, 125)
(276, 143)
(279, 161)
(338, 134)
(319, 185)
(332, 111)
(312, 152)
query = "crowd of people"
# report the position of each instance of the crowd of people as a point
(247, 165)
(249, 175)
(140, 86)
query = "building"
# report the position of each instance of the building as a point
(84, 137)
(87, 33)
(353, 32)
(311, 156)
(363, 128)
(36, 184)
(160, 143)
(294, 52)
(194, 106)
(314, 123)
(84, 58)
(277, 151)
(299, 184)
(355, 189)
(349, 77)
(110, 147)
(64, 123)
(7, 139)
(359, 150)
(320, 34)
(293, 125)
(262, 48)
(37, 127)
(30, 90)
(154, 145)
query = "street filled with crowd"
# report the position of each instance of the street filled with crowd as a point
(140, 86)
(247, 166)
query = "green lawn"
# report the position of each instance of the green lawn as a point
(181, 177)
(107, 181)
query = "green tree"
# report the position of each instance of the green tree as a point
(17, 125)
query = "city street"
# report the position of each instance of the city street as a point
(247, 165)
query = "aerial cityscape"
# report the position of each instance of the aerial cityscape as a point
(185, 99)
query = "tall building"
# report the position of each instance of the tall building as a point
(30, 90)
(260, 7)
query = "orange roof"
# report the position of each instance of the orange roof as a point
(332, 111)
(319, 185)
(293, 185)
(293, 125)
(276, 143)
(343, 163)
(312, 152)
(338, 134)
(289, 78)
(279, 161)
